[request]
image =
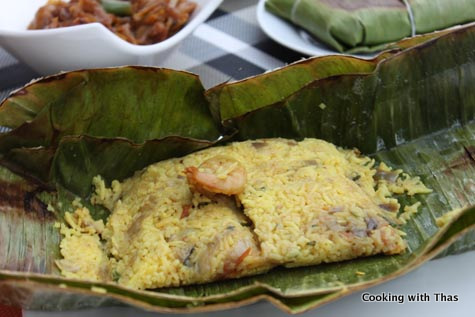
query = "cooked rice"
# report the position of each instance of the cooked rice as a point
(303, 203)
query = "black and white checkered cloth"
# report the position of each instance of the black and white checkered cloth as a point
(229, 46)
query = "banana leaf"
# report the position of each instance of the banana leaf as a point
(413, 110)
(364, 26)
(164, 103)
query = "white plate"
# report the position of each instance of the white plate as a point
(294, 37)
(83, 46)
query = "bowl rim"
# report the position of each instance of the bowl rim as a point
(205, 12)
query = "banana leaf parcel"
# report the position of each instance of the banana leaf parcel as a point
(413, 109)
(363, 26)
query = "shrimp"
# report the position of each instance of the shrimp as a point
(218, 175)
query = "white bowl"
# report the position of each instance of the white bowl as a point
(84, 46)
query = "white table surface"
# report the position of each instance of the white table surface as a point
(451, 275)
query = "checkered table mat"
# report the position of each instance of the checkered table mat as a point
(229, 46)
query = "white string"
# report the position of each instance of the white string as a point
(294, 9)
(411, 17)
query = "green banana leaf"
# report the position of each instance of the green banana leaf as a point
(163, 103)
(364, 26)
(412, 109)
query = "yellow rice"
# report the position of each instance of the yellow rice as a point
(303, 203)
